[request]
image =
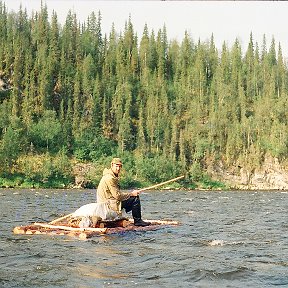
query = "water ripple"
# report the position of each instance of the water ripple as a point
(226, 239)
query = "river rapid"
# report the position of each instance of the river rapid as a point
(226, 239)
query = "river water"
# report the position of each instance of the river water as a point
(226, 239)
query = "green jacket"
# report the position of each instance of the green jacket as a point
(108, 191)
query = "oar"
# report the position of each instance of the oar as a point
(61, 218)
(160, 184)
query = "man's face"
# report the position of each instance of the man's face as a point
(116, 168)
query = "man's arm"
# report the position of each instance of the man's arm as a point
(115, 191)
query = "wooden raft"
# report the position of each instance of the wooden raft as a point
(104, 228)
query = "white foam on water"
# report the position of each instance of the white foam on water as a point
(216, 243)
(190, 212)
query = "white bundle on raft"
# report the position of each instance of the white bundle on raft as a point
(100, 210)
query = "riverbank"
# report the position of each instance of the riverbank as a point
(270, 176)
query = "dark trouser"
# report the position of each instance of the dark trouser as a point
(132, 204)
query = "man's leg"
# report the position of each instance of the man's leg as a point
(133, 204)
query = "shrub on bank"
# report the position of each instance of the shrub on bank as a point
(59, 171)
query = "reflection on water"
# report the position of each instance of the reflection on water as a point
(226, 239)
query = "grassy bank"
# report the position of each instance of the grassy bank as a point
(60, 171)
(21, 181)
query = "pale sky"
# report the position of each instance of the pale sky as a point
(227, 20)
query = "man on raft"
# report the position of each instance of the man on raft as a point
(108, 191)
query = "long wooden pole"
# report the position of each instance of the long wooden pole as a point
(160, 184)
(60, 219)
(44, 225)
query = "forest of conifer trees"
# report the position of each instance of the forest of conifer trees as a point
(70, 94)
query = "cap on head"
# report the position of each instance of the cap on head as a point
(116, 161)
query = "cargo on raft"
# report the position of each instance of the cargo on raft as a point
(72, 228)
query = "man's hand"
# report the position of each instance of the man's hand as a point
(134, 193)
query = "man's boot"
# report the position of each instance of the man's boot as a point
(142, 223)
(136, 213)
